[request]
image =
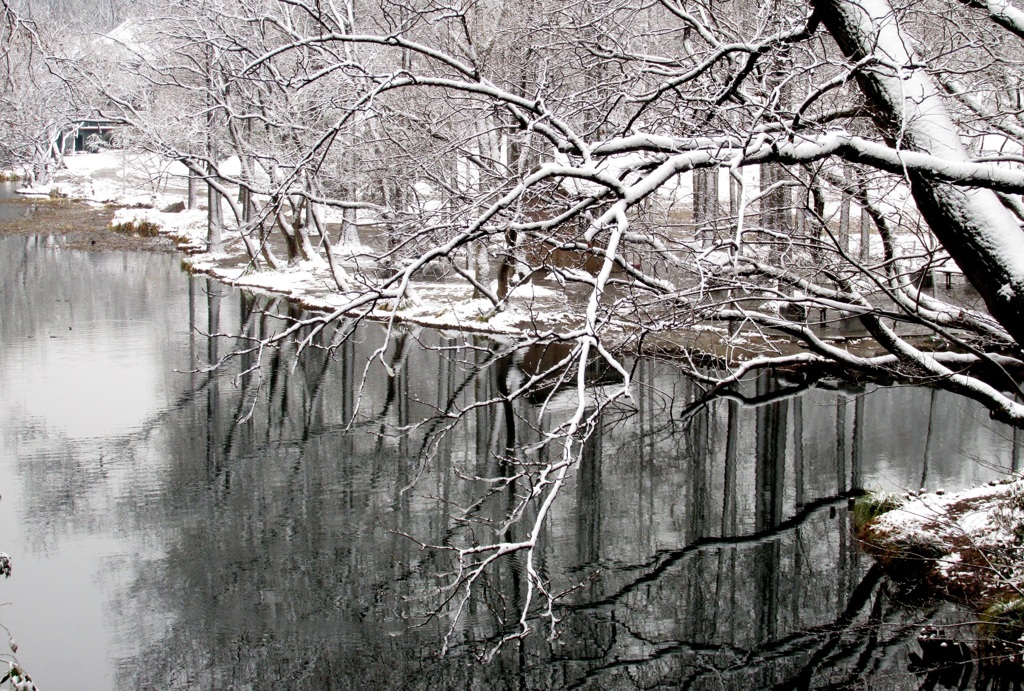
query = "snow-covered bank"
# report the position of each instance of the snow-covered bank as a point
(152, 193)
(966, 546)
(438, 305)
(115, 177)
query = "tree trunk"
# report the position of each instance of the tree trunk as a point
(349, 236)
(705, 204)
(214, 217)
(979, 233)
(844, 211)
(193, 190)
(734, 197)
(508, 264)
(698, 204)
(865, 235)
(775, 207)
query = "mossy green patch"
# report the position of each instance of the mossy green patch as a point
(872, 505)
(1003, 620)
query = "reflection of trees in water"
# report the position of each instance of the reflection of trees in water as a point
(707, 539)
(67, 475)
(708, 548)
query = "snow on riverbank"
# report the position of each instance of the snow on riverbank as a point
(968, 544)
(153, 191)
(439, 305)
(113, 177)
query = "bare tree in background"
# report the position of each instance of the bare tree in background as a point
(37, 112)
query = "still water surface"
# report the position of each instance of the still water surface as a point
(159, 543)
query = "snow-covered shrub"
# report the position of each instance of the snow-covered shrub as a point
(144, 222)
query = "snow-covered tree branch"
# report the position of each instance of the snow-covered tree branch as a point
(611, 176)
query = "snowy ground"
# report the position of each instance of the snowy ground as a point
(112, 177)
(974, 539)
(148, 188)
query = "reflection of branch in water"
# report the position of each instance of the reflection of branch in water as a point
(394, 369)
(809, 381)
(858, 599)
(664, 560)
(498, 365)
(501, 371)
(718, 659)
(448, 416)
(316, 391)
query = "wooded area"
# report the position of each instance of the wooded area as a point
(673, 169)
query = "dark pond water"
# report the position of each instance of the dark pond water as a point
(159, 543)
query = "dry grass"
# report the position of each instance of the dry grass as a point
(146, 229)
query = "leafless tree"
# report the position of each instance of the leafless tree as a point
(36, 108)
(591, 145)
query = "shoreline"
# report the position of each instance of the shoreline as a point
(126, 197)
